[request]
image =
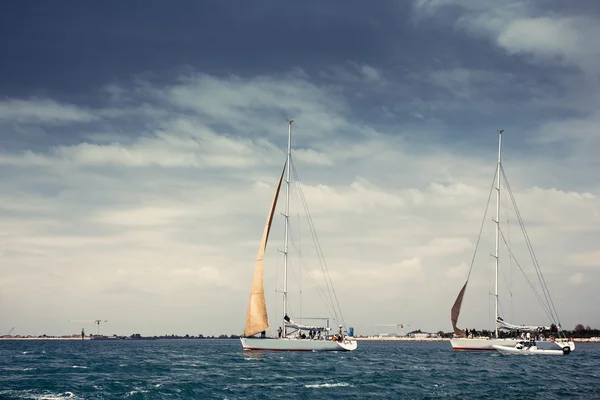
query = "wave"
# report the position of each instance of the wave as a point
(327, 385)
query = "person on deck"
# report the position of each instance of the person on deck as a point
(279, 331)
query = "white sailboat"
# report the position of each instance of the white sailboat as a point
(293, 336)
(461, 341)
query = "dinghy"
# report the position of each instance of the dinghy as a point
(527, 348)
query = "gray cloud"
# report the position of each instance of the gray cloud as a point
(168, 222)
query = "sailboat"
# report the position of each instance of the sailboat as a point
(461, 340)
(294, 336)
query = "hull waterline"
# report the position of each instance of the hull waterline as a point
(292, 344)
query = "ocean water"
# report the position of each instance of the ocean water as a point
(219, 369)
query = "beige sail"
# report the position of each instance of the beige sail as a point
(456, 312)
(256, 316)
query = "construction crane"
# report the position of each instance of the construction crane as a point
(96, 321)
(11, 331)
(399, 326)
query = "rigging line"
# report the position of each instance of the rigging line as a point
(325, 268)
(312, 231)
(298, 282)
(510, 259)
(326, 275)
(482, 224)
(305, 265)
(506, 281)
(310, 224)
(500, 308)
(528, 242)
(330, 300)
(544, 306)
(537, 267)
(529, 245)
(317, 286)
(317, 244)
(299, 247)
(532, 253)
(490, 310)
(510, 289)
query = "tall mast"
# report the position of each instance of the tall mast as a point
(496, 256)
(287, 217)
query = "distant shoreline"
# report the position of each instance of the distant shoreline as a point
(402, 339)
(364, 339)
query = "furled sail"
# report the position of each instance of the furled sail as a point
(456, 312)
(256, 316)
(523, 328)
(289, 323)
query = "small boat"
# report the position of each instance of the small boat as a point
(293, 336)
(526, 348)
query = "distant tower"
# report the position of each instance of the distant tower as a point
(82, 333)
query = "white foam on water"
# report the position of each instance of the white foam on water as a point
(59, 396)
(29, 369)
(79, 366)
(327, 385)
(136, 391)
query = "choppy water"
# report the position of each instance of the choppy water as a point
(219, 369)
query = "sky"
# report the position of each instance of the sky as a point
(141, 142)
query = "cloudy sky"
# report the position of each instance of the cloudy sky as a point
(140, 145)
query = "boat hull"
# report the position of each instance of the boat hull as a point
(532, 351)
(292, 344)
(464, 344)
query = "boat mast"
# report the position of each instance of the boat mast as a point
(287, 217)
(496, 256)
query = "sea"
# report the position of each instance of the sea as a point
(219, 369)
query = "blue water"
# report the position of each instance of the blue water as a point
(219, 369)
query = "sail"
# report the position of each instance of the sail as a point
(523, 328)
(292, 324)
(456, 312)
(256, 316)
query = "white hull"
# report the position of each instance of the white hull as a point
(480, 343)
(530, 351)
(292, 344)
(488, 344)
